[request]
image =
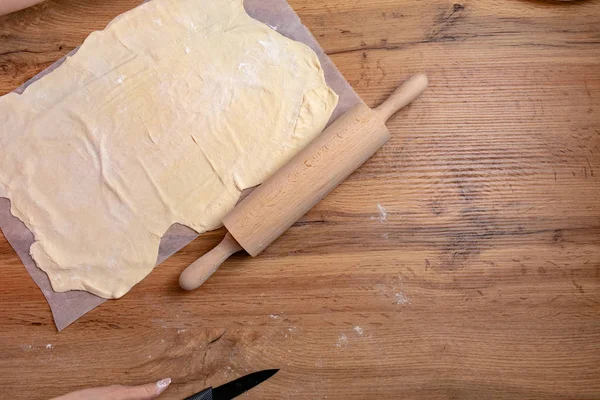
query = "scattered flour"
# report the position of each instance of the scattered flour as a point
(401, 298)
(120, 79)
(49, 346)
(382, 213)
(359, 331)
(342, 341)
(187, 50)
(271, 52)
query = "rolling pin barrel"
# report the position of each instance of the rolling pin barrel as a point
(307, 178)
(314, 172)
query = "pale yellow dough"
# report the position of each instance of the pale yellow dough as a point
(163, 117)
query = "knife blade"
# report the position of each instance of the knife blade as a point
(234, 388)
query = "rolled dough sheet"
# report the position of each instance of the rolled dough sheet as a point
(161, 194)
(163, 117)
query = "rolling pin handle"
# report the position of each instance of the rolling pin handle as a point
(201, 269)
(402, 96)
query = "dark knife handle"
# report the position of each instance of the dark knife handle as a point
(206, 394)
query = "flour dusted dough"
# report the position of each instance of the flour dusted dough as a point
(163, 117)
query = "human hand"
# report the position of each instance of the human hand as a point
(148, 391)
(8, 6)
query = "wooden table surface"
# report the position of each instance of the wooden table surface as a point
(462, 261)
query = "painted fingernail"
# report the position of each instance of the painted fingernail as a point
(163, 384)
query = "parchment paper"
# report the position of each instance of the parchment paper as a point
(68, 307)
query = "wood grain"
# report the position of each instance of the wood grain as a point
(462, 261)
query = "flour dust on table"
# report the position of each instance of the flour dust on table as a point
(164, 117)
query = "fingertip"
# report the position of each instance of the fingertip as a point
(162, 385)
(148, 391)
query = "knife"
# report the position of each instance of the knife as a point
(233, 389)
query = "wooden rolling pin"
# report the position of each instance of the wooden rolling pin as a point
(286, 196)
